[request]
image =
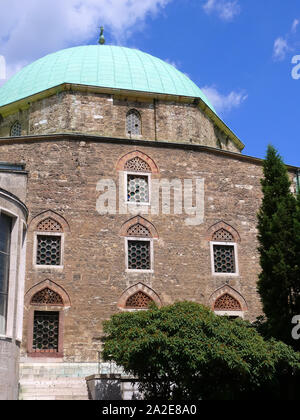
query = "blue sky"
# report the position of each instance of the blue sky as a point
(238, 51)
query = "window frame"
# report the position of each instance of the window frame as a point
(135, 239)
(12, 274)
(137, 113)
(12, 128)
(143, 174)
(235, 247)
(35, 245)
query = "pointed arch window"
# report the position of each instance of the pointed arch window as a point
(49, 240)
(224, 260)
(133, 123)
(16, 129)
(139, 300)
(139, 245)
(227, 305)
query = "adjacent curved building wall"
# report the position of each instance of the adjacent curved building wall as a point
(12, 183)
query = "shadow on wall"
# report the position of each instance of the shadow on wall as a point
(112, 387)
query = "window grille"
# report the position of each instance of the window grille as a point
(137, 165)
(45, 332)
(49, 250)
(139, 255)
(134, 123)
(138, 301)
(139, 230)
(223, 235)
(137, 189)
(16, 129)
(224, 259)
(49, 225)
(227, 303)
(47, 297)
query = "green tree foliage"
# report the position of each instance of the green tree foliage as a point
(279, 233)
(186, 352)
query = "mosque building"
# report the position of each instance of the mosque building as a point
(119, 185)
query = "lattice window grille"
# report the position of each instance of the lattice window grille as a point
(137, 165)
(16, 129)
(224, 259)
(139, 255)
(227, 303)
(49, 250)
(139, 230)
(137, 189)
(45, 332)
(134, 123)
(47, 297)
(49, 225)
(223, 235)
(138, 301)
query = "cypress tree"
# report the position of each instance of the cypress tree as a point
(278, 226)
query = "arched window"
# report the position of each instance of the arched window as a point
(133, 123)
(16, 129)
(5, 251)
(138, 301)
(229, 302)
(47, 302)
(49, 243)
(139, 235)
(224, 250)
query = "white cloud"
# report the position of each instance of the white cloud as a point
(282, 45)
(280, 49)
(38, 28)
(225, 9)
(295, 26)
(224, 103)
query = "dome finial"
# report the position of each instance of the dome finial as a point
(101, 39)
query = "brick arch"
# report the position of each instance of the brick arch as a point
(228, 290)
(133, 290)
(49, 215)
(139, 221)
(225, 226)
(44, 285)
(150, 162)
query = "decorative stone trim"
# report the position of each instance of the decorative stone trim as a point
(140, 287)
(138, 220)
(226, 289)
(222, 225)
(49, 214)
(50, 285)
(122, 162)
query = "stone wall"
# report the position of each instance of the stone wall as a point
(63, 177)
(9, 369)
(105, 115)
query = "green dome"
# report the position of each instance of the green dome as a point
(101, 66)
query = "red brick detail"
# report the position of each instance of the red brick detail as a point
(222, 225)
(49, 214)
(140, 287)
(50, 285)
(122, 162)
(139, 220)
(227, 290)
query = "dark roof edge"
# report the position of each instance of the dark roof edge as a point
(138, 142)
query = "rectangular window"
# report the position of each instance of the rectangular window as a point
(139, 255)
(137, 188)
(5, 242)
(48, 250)
(224, 259)
(45, 332)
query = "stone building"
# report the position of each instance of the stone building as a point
(136, 191)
